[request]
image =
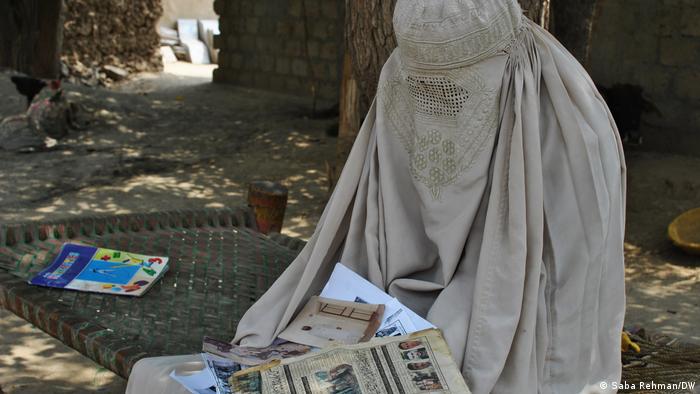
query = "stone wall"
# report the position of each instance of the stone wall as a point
(122, 33)
(654, 44)
(263, 44)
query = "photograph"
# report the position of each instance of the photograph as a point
(390, 331)
(417, 366)
(405, 345)
(427, 380)
(338, 380)
(415, 354)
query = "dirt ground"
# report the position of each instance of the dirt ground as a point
(173, 140)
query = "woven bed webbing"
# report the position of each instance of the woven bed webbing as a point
(219, 265)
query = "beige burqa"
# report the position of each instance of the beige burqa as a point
(486, 191)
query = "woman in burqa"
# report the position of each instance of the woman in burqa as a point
(486, 192)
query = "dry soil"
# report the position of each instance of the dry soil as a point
(173, 140)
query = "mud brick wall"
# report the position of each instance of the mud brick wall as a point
(654, 44)
(111, 32)
(263, 44)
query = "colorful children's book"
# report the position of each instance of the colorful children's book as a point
(87, 268)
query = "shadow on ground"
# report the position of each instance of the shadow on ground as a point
(167, 141)
(172, 142)
(32, 362)
(160, 142)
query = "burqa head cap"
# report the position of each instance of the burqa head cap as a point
(454, 33)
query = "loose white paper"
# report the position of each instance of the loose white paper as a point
(344, 284)
(201, 382)
(398, 323)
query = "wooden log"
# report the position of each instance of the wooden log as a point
(268, 201)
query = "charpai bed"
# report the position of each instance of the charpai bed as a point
(220, 264)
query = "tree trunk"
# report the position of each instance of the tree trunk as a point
(537, 10)
(369, 40)
(572, 23)
(31, 32)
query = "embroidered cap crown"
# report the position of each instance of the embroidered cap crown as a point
(454, 33)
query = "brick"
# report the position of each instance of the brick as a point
(295, 8)
(262, 44)
(235, 76)
(284, 28)
(293, 48)
(295, 86)
(232, 42)
(245, 78)
(314, 49)
(319, 70)
(275, 45)
(237, 27)
(282, 65)
(236, 7)
(260, 8)
(690, 22)
(313, 8)
(267, 63)
(329, 91)
(655, 80)
(268, 26)
(251, 62)
(332, 31)
(247, 43)
(334, 71)
(262, 81)
(224, 60)
(277, 82)
(298, 30)
(329, 9)
(247, 8)
(688, 84)
(236, 61)
(300, 68)
(319, 30)
(329, 51)
(679, 51)
(668, 17)
(252, 25)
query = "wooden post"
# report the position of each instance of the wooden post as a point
(268, 201)
(31, 34)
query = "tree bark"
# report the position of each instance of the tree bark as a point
(537, 10)
(369, 40)
(31, 32)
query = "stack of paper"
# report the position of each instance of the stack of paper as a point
(344, 284)
(349, 311)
